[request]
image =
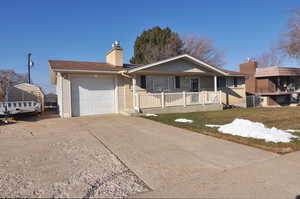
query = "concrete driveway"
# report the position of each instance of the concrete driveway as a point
(57, 158)
(71, 157)
(163, 155)
(272, 179)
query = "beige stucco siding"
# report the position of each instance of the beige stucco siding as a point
(115, 57)
(59, 93)
(128, 94)
(121, 89)
(63, 91)
(66, 87)
(234, 95)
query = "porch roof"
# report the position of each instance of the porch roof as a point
(184, 56)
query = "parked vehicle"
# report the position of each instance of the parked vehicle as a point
(19, 107)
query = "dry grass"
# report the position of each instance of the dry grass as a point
(282, 118)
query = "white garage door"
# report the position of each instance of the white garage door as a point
(91, 96)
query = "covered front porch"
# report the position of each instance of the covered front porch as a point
(165, 91)
(177, 102)
(181, 84)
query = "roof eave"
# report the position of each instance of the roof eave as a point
(85, 71)
(232, 75)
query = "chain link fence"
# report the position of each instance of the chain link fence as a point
(253, 101)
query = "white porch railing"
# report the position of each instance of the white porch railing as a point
(155, 100)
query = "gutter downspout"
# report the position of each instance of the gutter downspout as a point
(125, 74)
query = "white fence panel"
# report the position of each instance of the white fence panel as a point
(154, 100)
(194, 98)
(174, 99)
(150, 100)
(212, 97)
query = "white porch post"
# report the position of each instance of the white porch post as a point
(162, 99)
(215, 84)
(137, 101)
(134, 91)
(184, 98)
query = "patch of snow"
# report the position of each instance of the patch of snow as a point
(183, 120)
(247, 128)
(151, 115)
(293, 131)
(213, 125)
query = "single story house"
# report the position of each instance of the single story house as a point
(178, 84)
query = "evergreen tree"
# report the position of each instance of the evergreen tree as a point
(156, 44)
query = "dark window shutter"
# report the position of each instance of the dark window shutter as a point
(235, 81)
(177, 81)
(143, 81)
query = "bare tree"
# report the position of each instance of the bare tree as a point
(203, 49)
(290, 42)
(270, 58)
(9, 78)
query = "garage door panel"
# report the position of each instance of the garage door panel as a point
(91, 96)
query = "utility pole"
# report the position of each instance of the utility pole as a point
(29, 66)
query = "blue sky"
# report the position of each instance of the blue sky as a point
(84, 30)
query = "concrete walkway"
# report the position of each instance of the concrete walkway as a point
(163, 155)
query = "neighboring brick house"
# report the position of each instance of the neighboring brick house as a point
(275, 86)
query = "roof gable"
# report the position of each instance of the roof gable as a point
(200, 66)
(177, 66)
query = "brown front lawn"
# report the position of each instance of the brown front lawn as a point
(282, 118)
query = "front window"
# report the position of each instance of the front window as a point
(160, 83)
(234, 82)
(221, 82)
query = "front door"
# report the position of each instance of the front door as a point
(195, 85)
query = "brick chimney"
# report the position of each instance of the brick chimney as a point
(248, 67)
(115, 55)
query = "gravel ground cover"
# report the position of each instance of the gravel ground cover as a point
(59, 158)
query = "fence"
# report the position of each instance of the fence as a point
(155, 100)
(253, 101)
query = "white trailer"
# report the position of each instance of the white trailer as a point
(19, 107)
